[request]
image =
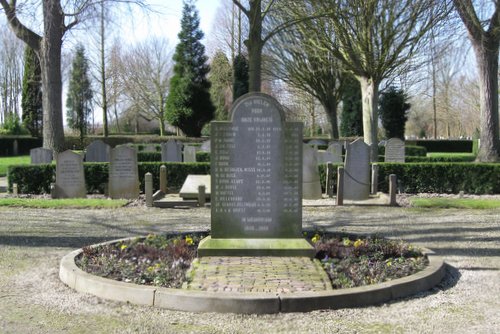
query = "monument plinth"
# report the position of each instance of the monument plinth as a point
(256, 183)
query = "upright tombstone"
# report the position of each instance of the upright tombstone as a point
(97, 151)
(311, 184)
(256, 183)
(189, 153)
(205, 146)
(357, 171)
(333, 154)
(171, 151)
(41, 155)
(70, 178)
(395, 150)
(123, 173)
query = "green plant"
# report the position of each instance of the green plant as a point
(393, 108)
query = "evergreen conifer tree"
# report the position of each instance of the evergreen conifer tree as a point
(393, 112)
(240, 76)
(189, 106)
(78, 102)
(221, 78)
(31, 100)
(351, 120)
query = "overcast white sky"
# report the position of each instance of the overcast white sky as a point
(167, 21)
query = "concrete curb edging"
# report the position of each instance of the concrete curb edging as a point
(262, 303)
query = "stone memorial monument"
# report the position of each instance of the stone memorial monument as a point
(41, 155)
(256, 183)
(357, 171)
(332, 154)
(311, 184)
(189, 153)
(171, 151)
(395, 150)
(70, 178)
(205, 146)
(97, 151)
(123, 173)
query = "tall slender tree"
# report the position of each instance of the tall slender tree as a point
(394, 112)
(31, 100)
(240, 76)
(78, 102)
(188, 104)
(485, 39)
(351, 118)
(221, 78)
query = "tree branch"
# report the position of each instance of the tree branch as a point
(240, 6)
(20, 30)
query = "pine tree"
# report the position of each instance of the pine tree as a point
(78, 102)
(31, 101)
(188, 104)
(221, 79)
(393, 112)
(240, 76)
(351, 120)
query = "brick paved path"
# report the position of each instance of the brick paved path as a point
(259, 274)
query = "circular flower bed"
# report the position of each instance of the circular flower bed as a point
(163, 260)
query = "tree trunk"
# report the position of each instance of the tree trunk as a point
(103, 77)
(50, 60)
(254, 45)
(487, 62)
(330, 107)
(369, 96)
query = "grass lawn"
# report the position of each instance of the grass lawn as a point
(78, 203)
(457, 203)
(7, 161)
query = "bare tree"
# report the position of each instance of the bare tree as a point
(485, 38)
(11, 74)
(376, 40)
(47, 45)
(146, 70)
(300, 63)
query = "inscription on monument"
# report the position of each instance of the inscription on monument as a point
(70, 179)
(256, 172)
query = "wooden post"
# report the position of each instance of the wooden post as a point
(340, 185)
(374, 188)
(393, 189)
(148, 189)
(329, 180)
(53, 190)
(201, 196)
(163, 179)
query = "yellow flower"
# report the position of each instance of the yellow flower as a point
(150, 268)
(316, 238)
(347, 242)
(358, 243)
(123, 247)
(189, 240)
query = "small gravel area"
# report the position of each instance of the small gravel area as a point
(34, 300)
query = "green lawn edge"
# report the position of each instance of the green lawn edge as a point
(455, 203)
(74, 203)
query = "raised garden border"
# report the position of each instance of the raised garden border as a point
(249, 303)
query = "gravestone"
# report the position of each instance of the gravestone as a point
(123, 173)
(70, 178)
(357, 171)
(41, 155)
(97, 151)
(171, 151)
(205, 146)
(311, 184)
(189, 189)
(189, 153)
(256, 183)
(333, 154)
(395, 150)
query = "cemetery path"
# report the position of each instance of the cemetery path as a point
(33, 300)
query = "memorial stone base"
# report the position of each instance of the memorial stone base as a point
(255, 247)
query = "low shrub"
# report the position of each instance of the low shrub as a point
(24, 145)
(410, 150)
(446, 145)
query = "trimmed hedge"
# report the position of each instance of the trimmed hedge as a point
(472, 178)
(24, 145)
(410, 150)
(203, 156)
(458, 158)
(73, 143)
(36, 179)
(451, 146)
